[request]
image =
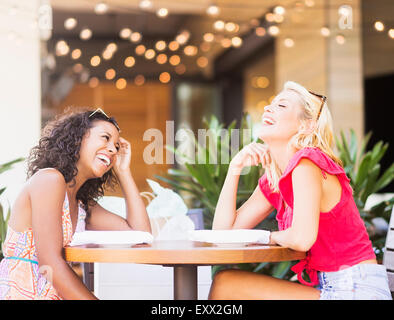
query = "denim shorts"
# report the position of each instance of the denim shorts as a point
(359, 282)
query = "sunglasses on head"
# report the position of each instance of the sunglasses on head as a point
(323, 98)
(100, 111)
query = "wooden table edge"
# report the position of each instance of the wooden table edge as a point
(192, 256)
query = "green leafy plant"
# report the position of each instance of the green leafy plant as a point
(204, 181)
(366, 178)
(4, 219)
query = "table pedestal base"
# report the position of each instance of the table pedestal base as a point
(185, 282)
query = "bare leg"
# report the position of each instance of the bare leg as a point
(243, 285)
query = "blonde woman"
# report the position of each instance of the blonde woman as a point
(305, 182)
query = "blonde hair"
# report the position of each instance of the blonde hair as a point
(321, 136)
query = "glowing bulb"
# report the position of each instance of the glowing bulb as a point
(273, 30)
(236, 41)
(162, 12)
(219, 25)
(125, 33)
(379, 26)
(213, 10)
(129, 62)
(150, 54)
(208, 37)
(260, 31)
(121, 83)
(76, 54)
(325, 32)
(175, 60)
(85, 34)
(95, 61)
(288, 42)
(160, 45)
(101, 8)
(164, 77)
(279, 10)
(139, 80)
(110, 74)
(70, 23)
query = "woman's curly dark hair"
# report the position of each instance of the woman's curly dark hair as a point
(59, 148)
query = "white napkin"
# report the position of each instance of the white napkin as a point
(231, 236)
(111, 237)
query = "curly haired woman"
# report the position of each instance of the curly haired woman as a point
(78, 156)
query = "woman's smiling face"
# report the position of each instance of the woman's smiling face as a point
(281, 119)
(99, 148)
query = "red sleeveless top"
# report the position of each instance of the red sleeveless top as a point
(342, 239)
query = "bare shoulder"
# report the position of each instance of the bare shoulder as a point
(306, 166)
(47, 179)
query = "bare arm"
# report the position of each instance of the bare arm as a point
(307, 189)
(136, 215)
(256, 208)
(48, 233)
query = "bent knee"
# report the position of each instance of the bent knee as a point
(222, 284)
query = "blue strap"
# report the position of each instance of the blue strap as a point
(23, 259)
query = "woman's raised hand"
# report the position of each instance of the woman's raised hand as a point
(251, 155)
(123, 157)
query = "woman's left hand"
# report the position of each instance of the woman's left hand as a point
(123, 158)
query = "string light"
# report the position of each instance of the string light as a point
(175, 60)
(202, 62)
(279, 10)
(139, 80)
(208, 37)
(273, 30)
(340, 39)
(164, 77)
(85, 34)
(62, 48)
(125, 33)
(76, 54)
(173, 46)
(325, 32)
(161, 58)
(162, 13)
(93, 82)
(121, 83)
(260, 31)
(101, 8)
(213, 10)
(145, 4)
(180, 69)
(236, 42)
(379, 26)
(190, 50)
(129, 62)
(95, 61)
(391, 33)
(288, 42)
(160, 45)
(219, 25)
(140, 49)
(110, 74)
(150, 54)
(70, 23)
(135, 37)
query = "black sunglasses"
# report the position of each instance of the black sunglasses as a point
(323, 98)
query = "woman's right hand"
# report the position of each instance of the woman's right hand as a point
(251, 155)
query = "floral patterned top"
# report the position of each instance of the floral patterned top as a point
(21, 276)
